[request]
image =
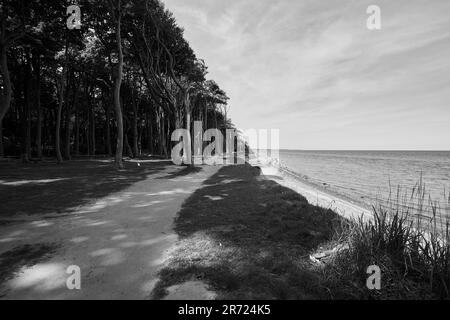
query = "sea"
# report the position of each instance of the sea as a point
(372, 176)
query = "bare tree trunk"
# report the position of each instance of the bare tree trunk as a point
(167, 145)
(77, 131)
(2, 151)
(160, 127)
(6, 88)
(140, 132)
(88, 140)
(135, 125)
(93, 130)
(189, 140)
(61, 90)
(117, 86)
(135, 137)
(108, 131)
(88, 133)
(206, 116)
(28, 133)
(5, 101)
(88, 115)
(163, 138)
(26, 151)
(38, 107)
(215, 119)
(67, 143)
(188, 129)
(149, 133)
(58, 125)
(128, 147)
(23, 122)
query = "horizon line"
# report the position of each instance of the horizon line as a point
(370, 150)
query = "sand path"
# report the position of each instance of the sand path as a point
(119, 242)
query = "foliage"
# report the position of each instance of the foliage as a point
(71, 76)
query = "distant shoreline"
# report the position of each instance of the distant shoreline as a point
(349, 205)
(315, 194)
(363, 150)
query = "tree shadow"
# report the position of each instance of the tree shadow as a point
(187, 170)
(124, 241)
(25, 255)
(249, 238)
(47, 188)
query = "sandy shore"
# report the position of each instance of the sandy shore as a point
(314, 194)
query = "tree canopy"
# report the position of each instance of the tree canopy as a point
(126, 75)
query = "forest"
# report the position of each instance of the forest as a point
(116, 85)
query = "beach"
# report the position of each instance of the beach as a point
(316, 195)
(158, 231)
(371, 178)
(126, 239)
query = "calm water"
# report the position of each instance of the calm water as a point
(365, 175)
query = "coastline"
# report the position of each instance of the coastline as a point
(243, 232)
(316, 195)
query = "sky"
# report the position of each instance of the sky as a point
(313, 70)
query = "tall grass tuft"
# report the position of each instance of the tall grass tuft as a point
(408, 238)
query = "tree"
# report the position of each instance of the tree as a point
(12, 28)
(115, 8)
(130, 57)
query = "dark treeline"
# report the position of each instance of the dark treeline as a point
(119, 85)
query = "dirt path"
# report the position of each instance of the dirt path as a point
(119, 242)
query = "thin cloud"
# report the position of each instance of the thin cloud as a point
(312, 67)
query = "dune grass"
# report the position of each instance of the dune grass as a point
(408, 238)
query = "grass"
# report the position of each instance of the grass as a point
(408, 238)
(250, 238)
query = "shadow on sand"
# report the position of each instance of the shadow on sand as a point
(187, 170)
(24, 255)
(248, 237)
(47, 188)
